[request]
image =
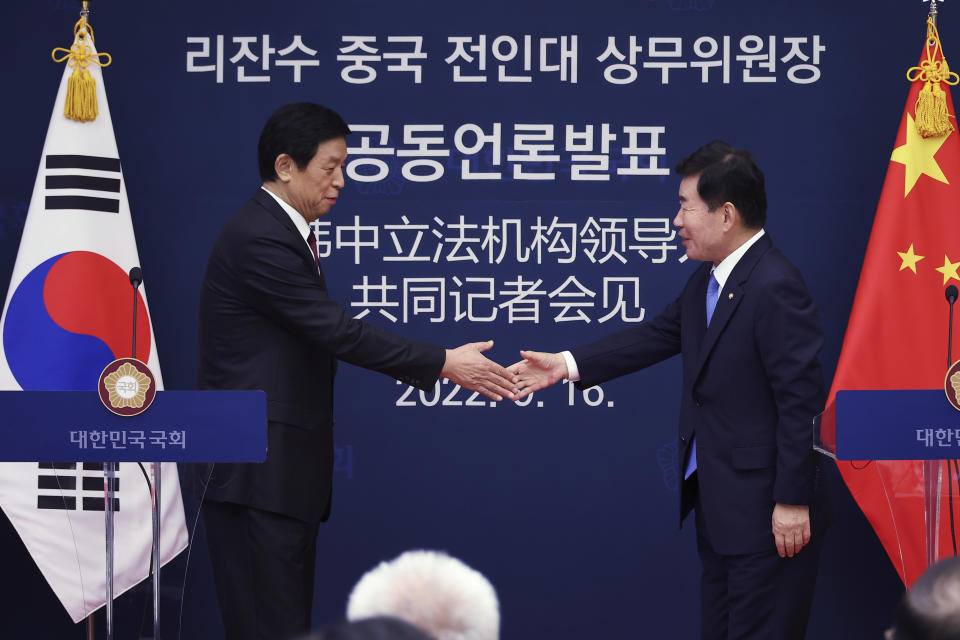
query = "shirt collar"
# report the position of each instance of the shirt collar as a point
(723, 270)
(298, 220)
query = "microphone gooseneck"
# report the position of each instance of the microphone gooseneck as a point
(136, 279)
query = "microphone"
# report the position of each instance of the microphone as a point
(951, 294)
(136, 279)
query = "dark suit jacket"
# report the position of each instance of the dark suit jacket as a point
(752, 383)
(266, 322)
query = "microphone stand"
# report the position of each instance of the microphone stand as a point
(110, 480)
(951, 295)
(136, 278)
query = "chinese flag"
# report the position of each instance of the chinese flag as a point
(897, 334)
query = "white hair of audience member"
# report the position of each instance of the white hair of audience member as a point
(436, 593)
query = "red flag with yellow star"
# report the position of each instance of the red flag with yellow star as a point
(897, 334)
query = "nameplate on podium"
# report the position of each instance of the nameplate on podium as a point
(897, 425)
(179, 426)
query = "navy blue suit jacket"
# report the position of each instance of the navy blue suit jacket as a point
(266, 322)
(752, 383)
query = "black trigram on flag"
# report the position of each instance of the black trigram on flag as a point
(85, 183)
(59, 490)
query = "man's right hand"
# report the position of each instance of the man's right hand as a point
(791, 528)
(467, 367)
(538, 370)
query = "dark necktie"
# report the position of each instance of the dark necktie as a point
(312, 241)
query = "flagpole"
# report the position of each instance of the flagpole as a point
(91, 627)
(110, 471)
(109, 481)
(933, 469)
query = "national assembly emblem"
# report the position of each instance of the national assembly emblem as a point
(127, 387)
(951, 385)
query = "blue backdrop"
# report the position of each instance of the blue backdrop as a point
(576, 114)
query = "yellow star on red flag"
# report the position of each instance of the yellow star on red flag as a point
(917, 157)
(949, 270)
(909, 260)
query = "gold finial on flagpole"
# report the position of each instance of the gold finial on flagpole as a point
(932, 116)
(85, 10)
(81, 103)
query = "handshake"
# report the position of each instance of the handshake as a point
(468, 367)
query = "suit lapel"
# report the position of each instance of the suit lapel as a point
(265, 200)
(730, 297)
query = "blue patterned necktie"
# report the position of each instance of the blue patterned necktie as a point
(713, 294)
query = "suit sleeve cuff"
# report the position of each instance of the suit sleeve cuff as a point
(795, 489)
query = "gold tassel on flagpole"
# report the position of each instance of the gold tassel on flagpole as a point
(81, 102)
(932, 116)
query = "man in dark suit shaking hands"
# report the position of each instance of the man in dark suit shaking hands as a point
(750, 339)
(266, 322)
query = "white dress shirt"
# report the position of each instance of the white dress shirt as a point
(298, 220)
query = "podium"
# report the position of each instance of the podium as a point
(899, 425)
(178, 426)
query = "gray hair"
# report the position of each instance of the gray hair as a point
(433, 591)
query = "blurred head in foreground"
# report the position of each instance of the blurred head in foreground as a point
(930, 610)
(433, 591)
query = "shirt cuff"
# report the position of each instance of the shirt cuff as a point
(573, 374)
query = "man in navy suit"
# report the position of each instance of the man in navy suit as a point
(750, 339)
(266, 322)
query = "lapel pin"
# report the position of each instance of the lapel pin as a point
(730, 297)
